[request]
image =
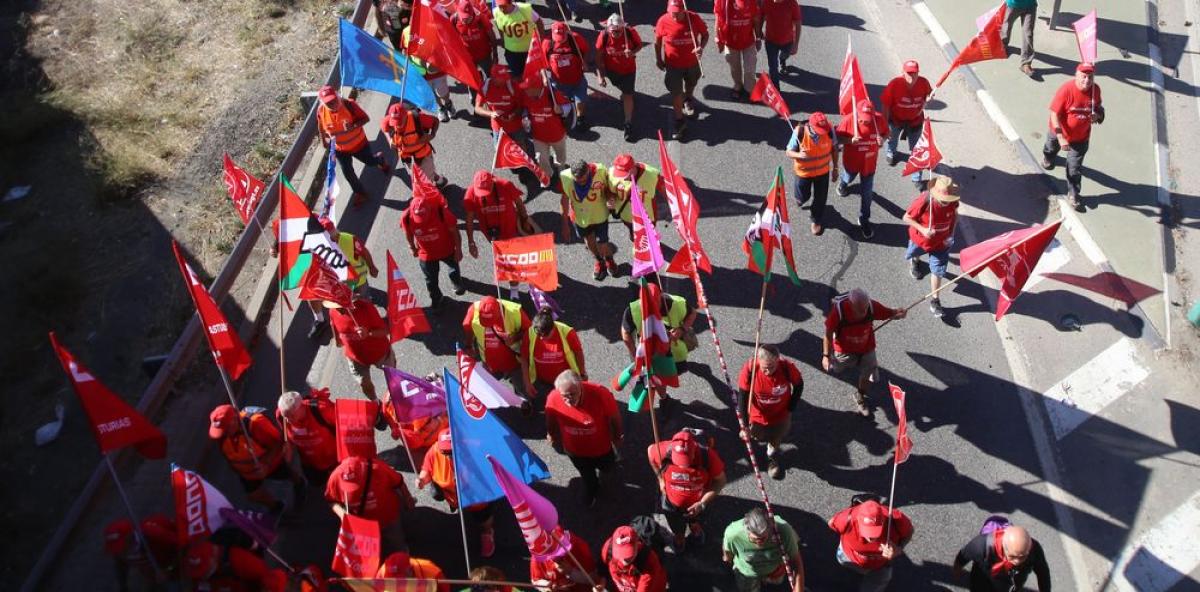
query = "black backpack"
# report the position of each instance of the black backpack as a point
(650, 532)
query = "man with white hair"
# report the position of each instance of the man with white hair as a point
(582, 421)
(850, 339)
(308, 426)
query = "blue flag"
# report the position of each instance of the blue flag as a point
(368, 63)
(477, 433)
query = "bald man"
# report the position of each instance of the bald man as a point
(1002, 560)
(850, 339)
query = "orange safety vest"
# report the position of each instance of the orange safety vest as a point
(241, 456)
(409, 137)
(820, 155)
(339, 125)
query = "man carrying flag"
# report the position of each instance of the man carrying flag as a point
(931, 218)
(431, 230)
(850, 339)
(622, 175)
(371, 489)
(437, 471)
(364, 337)
(860, 139)
(659, 325)
(770, 229)
(739, 37)
(679, 39)
(410, 133)
(870, 540)
(497, 205)
(813, 150)
(903, 104)
(254, 449)
(617, 46)
(1075, 107)
(340, 123)
(492, 331)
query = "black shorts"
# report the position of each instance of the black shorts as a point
(623, 82)
(599, 230)
(676, 517)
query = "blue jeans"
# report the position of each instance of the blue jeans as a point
(914, 134)
(938, 260)
(777, 56)
(875, 580)
(866, 189)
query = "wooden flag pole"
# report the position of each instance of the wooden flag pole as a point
(695, 43)
(887, 537)
(133, 518)
(282, 299)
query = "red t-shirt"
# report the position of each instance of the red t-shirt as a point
(545, 125)
(503, 97)
(684, 486)
(585, 430)
(475, 37)
(366, 349)
(772, 392)
(649, 577)
(383, 502)
(781, 18)
(565, 62)
(496, 355)
(857, 336)
(613, 47)
(549, 355)
(861, 157)
(315, 441)
(497, 210)
(677, 39)
(560, 581)
(1074, 108)
(906, 104)
(944, 217)
(735, 25)
(432, 226)
(863, 554)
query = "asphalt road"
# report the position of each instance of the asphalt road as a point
(974, 455)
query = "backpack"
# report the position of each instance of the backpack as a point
(842, 323)
(249, 412)
(650, 532)
(993, 523)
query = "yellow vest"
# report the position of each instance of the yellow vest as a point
(516, 27)
(593, 208)
(358, 264)
(675, 315)
(563, 329)
(512, 323)
(647, 184)
(820, 155)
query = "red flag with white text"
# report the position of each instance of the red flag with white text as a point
(903, 442)
(684, 210)
(227, 349)
(404, 316)
(765, 92)
(985, 45)
(1085, 37)
(1012, 256)
(198, 506)
(852, 90)
(244, 190)
(320, 283)
(358, 549)
(536, 61)
(510, 155)
(355, 421)
(433, 38)
(527, 260)
(925, 155)
(115, 423)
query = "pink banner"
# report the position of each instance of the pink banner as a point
(1085, 37)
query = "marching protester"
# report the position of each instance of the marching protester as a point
(212, 566)
(401, 565)
(130, 556)
(492, 333)
(1002, 560)
(739, 37)
(341, 120)
(903, 105)
(500, 101)
(438, 82)
(254, 449)
(356, 253)
(431, 230)
(931, 218)
(477, 34)
(813, 149)
(392, 16)
(370, 488)
(1026, 12)
(870, 541)
(517, 23)
(768, 406)
(548, 111)
(582, 420)
(567, 54)
(437, 469)
(757, 559)
(549, 348)
(364, 338)
(1075, 107)
(623, 174)
(564, 574)
(411, 134)
(586, 198)
(633, 566)
(690, 476)
(849, 340)
(860, 139)
(780, 25)
(498, 207)
(617, 46)
(309, 429)
(679, 39)
(679, 317)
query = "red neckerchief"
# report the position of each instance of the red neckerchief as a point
(1003, 565)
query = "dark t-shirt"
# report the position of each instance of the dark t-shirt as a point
(980, 554)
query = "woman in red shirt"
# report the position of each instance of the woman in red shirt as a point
(777, 388)
(617, 46)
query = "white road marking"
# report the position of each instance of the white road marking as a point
(1163, 555)
(1055, 257)
(993, 111)
(931, 22)
(1095, 385)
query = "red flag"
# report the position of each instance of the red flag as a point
(684, 209)
(528, 260)
(422, 187)
(1011, 256)
(986, 45)
(852, 90)
(684, 267)
(765, 92)
(320, 283)
(114, 422)
(510, 155)
(434, 39)
(404, 316)
(925, 155)
(1085, 37)
(535, 61)
(358, 548)
(244, 190)
(903, 442)
(355, 421)
(654, 344)
(227, 349)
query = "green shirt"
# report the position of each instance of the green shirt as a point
(754, 561)
(1022, 4)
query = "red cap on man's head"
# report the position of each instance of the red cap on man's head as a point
(221, 420)
(397, 565)
(1086, 67)
(482, 183)
(866, 107)
(116, 536)
(675, 6)
(911, 67)
(624, 543)
(623, 165)
(819, 122)
(443, 441)
(489, 312)
(868, 519)
(559, 31)
(327, 94)
(353, 473)
(683, 448)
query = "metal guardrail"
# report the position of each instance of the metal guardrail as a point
(185, 347)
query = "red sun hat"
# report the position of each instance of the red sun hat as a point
(675, 6)
(443, 441)
(1086, 67)
(683, 448)
(819, 122)
(353, 474)
(328, 95)
(489, 312)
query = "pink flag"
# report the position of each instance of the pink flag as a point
(903, 442)
(1085, 37)
(647, 252)
(536, 516)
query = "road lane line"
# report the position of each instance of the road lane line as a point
(1094, 386)
(1161, 556)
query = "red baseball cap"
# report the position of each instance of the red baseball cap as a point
(397, 565)
(116, 536)
(483, 183)
(327, 94)
(503, 2)
(465, 8)
(683, 448)
(489, 312)
(675, 6)
(500, 71)
(397, 110)
(443, 441)
(819, 122)
(353, 472)
(1087, 67)
(198, 560)
(221, 420)
(868, 519)
(911, 67)
(559, 30)
(624, 543)
(866, 107)
(623, 165)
